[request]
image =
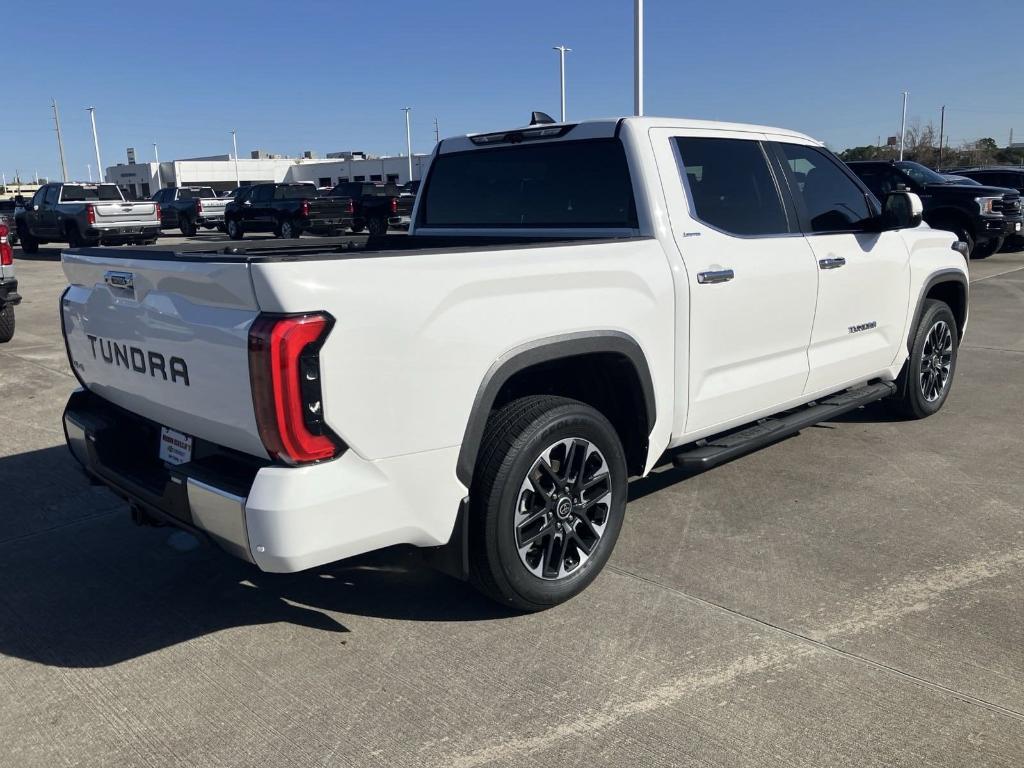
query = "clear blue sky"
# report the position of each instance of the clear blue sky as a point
(314, 74)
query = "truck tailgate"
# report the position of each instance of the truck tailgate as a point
(117, 212)
(212, 207)
(167, 340)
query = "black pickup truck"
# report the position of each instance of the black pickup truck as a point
(980, 216)
(189, 208)
(287, 210)
(375, 206)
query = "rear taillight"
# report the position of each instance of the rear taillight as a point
(305, 207)
(90, 213)
(6, 252)
(159, 211)
(394, 205)
(199, 207)
(350, 206)
(284, 372)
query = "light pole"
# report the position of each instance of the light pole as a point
(60, 142)
(638, 57)
(562, 50)
(234, 144)
(903, 124)
(95, 141)
(88, 168)
(408, 139)
(159, 176)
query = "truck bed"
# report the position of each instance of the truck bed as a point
(334, 248)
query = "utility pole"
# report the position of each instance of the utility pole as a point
(88, 168)
(942, 129)
(562, 50)
(159, 176)
(60, 141)
(234, 143)
(638, 57)
(96, 142)
(437, 132)
(903, 123)
(408, 139)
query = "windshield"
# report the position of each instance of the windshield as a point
(920, 173)
(73, 193)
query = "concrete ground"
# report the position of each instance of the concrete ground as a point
(849, 597)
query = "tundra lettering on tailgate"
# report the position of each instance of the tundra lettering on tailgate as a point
(139, 360)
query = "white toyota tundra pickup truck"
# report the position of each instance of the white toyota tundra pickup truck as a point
(575, 305)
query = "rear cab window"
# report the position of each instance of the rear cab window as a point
(581, 183)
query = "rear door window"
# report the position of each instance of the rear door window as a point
(565, 184)
(731, 186)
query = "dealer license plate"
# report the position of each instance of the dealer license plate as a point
(175, 448)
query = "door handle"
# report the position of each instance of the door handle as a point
(715, 276)
(832, 263)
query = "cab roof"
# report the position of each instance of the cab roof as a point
(608, 127)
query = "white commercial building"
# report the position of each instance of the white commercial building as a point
(140, 180)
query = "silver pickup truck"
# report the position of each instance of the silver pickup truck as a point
(86, 214)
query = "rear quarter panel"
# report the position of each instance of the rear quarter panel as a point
(415, 334)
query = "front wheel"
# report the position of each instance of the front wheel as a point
(986, 249)
(547, 501)
(927, 376)
(6, 323)
(234, 230)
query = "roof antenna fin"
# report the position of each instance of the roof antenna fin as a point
(541, 118)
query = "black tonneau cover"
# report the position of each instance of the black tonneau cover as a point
(327, 248)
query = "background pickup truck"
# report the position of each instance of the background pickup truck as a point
(86, 214)
(573, 305)
(188, 208)
(287, 210)
(375, 206)
(983, 217)
(8, 209)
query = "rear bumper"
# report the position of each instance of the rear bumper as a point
(283, 519)
(9, 293)
(124, 231)
(326, 224)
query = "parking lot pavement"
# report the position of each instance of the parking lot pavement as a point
(849, 597)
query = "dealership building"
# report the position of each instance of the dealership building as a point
(222, 172)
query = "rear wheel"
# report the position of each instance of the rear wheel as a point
(377, 226)
(288, 229)
(6, 323)
(28, 243)
(187, 226)
(77, 240)
(928, 373)
(234, 230)
(358, 226)
(547, 501)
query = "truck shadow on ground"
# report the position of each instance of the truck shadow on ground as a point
(87, 588)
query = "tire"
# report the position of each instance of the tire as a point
(75, 239)
(187, 226)
(927, 376)
(507, 508)
(6, 324)
(986, 249)
(288, 229)
(377, 226)
(234, 230)
(358, 226)
(28, 243)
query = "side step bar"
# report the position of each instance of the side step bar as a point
(715, 450)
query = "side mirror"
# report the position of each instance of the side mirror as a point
(902, 210)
